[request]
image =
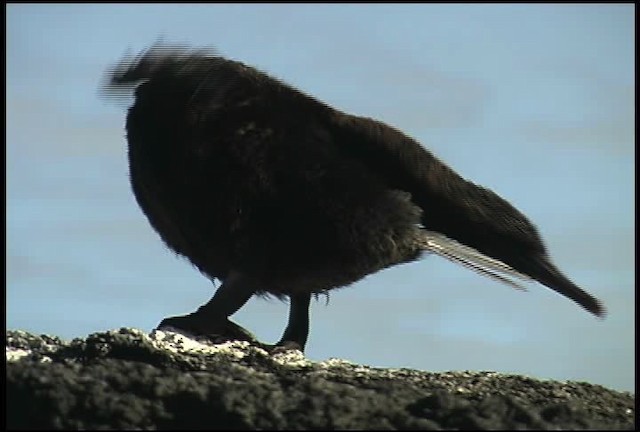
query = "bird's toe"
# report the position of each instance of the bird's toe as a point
(283, 346)
(214, 330)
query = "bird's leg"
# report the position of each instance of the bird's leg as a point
(212, 319)
(297, 331)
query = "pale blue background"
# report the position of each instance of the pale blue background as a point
(533, 101)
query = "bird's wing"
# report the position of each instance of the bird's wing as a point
(463, 222)
(451, 205)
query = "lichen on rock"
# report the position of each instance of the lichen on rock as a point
(130, 379)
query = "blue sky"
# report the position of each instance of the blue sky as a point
(533, 101)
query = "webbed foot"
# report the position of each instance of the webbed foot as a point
(216, 330)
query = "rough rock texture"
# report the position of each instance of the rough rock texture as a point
(129, 379)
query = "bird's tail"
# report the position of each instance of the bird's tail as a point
(471, 258)
(538, 268)
(545, 272)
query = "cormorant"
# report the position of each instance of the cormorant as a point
(276, 193)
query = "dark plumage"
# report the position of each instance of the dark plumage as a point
(274, 192)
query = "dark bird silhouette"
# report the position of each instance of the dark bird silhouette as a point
(276, 193)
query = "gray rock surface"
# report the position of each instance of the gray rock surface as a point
(129, 379)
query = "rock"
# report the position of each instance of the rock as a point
(128, 379)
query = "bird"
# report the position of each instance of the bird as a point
(275, 193)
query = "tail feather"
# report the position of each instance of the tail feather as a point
(538, 267)
(473, 259)
(545, 272)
